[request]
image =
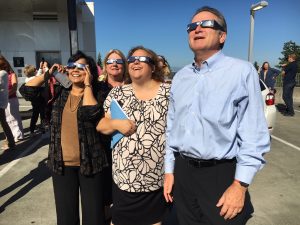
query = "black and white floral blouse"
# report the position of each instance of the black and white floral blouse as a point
(138, 159)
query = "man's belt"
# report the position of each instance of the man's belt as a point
(198, 163)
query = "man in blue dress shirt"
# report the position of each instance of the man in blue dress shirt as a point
(216, 130)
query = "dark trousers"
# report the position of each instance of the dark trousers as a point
(198, 190)
(7, 131)
(38, 108)
(66, 193)
(287, 96)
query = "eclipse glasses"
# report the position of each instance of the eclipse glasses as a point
(118, 61)
(144, 59)
(73, 65)
(205, 24)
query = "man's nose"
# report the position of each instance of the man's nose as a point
(198, 29)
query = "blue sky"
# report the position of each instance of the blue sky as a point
(161, 26)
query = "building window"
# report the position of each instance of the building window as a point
(18, 61)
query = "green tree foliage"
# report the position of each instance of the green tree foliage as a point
(99, 61)
(289, 48)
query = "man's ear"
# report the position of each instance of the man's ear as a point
(223, 36)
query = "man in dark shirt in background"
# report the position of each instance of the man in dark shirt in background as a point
(289, 82)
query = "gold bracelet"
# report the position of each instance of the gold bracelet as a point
(88, 85)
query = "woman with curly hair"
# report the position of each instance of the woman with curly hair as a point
(138, 157)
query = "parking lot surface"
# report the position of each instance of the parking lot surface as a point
(26, 195)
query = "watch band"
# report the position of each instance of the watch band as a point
(243, 184)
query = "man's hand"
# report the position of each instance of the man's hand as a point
(168, 186)
(232, 201)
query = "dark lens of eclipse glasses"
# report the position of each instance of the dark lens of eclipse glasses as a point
(76, 65)
(118, 61)
(204, 24)
(144, 59)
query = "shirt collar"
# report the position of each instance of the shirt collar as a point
(210, 62)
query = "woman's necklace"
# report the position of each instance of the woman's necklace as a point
(74, 102)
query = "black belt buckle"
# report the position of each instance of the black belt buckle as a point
(197, 163)
(194, 163)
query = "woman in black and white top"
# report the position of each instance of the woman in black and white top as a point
(138, 156)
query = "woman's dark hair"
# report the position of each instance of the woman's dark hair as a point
(49, 64)
(90, 61)
(263, 65)
(5, 65)
(157, 72)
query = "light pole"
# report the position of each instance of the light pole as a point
(254, 8)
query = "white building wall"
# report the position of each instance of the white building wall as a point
(21, 36)
(88, 29)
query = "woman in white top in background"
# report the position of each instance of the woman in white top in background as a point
(12, 113)
(9, 141)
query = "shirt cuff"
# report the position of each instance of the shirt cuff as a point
(169, 166)
(245, 173)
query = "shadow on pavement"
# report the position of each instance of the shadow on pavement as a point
(33, 178)
(26, 114)
(10, 155)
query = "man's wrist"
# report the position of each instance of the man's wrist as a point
(243, 184)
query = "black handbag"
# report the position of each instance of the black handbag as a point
(30, 93)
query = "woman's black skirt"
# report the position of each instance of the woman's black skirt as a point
(137, 208)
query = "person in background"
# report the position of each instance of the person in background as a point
(216, 130)
(12, 112)
(9, 143)
(138, 156)
(38, 103)
(47, 93)
(289, 82)
(44, 67)
(268, 75)
(165, 67)
(76, 153)
(115, 70)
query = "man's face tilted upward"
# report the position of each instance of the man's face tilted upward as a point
(206, 39)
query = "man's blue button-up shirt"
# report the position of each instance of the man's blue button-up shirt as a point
(216, 112)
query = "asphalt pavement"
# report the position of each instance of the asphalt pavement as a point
(26, 194)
